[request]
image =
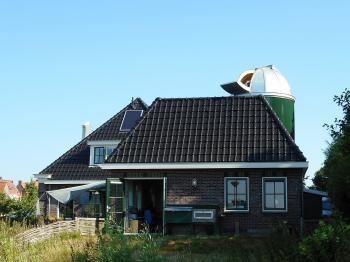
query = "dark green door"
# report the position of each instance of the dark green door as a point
(115, 202)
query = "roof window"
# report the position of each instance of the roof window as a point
(130, 119)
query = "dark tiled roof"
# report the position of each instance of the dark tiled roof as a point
(214, 129)
(74, 164)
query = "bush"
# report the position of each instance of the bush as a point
(282, 244)
(329, 242)
(115, 246)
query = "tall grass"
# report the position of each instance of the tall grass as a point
(58, 248)
(115, 246)
(331, 241)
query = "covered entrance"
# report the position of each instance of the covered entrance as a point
(136, 204)
(144, 198)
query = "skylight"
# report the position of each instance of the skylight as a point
(130, 119)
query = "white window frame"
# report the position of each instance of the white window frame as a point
(127, 130)
(285, 210)
(94, 154)
(94, 144)
(225, 197)
(211, 213)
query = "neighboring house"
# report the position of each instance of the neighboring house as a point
(316, 204)
(21, 186)
(192, 164)
(8, 188)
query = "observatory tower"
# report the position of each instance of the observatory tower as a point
(270, 83)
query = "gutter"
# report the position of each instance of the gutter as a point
(214, 165)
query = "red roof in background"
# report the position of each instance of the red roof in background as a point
(2, 186)
(13, 191)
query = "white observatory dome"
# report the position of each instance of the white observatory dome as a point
(266, 80)
(269, 81)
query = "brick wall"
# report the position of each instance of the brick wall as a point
(210, 191)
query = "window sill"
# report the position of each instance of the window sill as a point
(93, 165)
(235, 211)
(275, 211)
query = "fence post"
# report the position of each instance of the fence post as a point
(77, 224)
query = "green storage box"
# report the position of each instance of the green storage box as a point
(178, 215)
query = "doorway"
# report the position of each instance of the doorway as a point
(144, 198)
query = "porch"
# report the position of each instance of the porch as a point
(136, 204)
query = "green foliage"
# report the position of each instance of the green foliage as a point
(320, 180)
(335, 174)
(150, 248)
(115, 247)
(58, 248)
(282, 244)
(7, 204)
(329, 242)
(22, 209)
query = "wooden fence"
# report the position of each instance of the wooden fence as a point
(85, 226)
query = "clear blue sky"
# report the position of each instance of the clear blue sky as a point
(65, 62)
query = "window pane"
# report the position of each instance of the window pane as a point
(230, 183)
(238, 186)
(242, 186)
(279, 201)
(230, 202)
(241, 202)
(279, 187)
(236, 203)
(99, 155)
(269, 188)
(269, 202)
(109, 151)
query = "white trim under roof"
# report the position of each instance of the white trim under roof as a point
(214, 165)
(103, 143)
(70, 182)
(42, 177)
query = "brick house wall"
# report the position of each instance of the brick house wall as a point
(210, 191)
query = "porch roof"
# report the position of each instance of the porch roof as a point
(66, 194)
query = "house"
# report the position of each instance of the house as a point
(21, 186)
(316, 204)
(225, 164)
(8, 188)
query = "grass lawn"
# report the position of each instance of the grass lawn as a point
(213, 248)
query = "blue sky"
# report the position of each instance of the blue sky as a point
(65, 62)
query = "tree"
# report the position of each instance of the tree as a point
(26, 207)
(6, 204)
(335, 173)
(320, 180)
(22, 209)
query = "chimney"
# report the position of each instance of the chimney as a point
(86, 129)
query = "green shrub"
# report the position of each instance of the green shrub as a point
(282, 244)
(114, 247)
(149, 247)
(329, 242)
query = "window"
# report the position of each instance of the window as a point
(130, 119)
(275, 194)
(101, 153)
(236, 194)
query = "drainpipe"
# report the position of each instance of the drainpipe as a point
(302, 208)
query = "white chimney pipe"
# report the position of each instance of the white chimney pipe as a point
(87, 129)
